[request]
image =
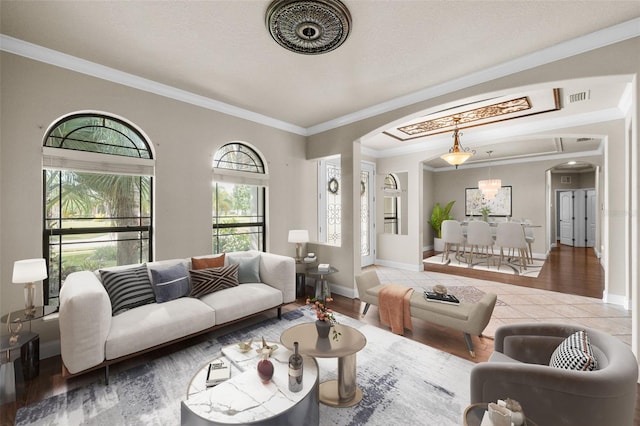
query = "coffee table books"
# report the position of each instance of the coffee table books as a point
(244, 398)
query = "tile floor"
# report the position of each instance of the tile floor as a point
(522, 304)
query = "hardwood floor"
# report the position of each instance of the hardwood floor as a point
(568, 270)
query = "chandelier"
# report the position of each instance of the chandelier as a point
(457, 154)
(489, 187)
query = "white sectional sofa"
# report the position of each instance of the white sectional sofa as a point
(92, 336)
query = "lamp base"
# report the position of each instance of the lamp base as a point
(29, 298)
(299, 255)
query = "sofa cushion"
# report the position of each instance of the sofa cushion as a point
(155, 324)
(205, 281)
(249, 267)
(128, 288)
(238, 302)
(170, 283)
(575, 353)
(207, 262)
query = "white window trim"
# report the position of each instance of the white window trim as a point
(84, 161)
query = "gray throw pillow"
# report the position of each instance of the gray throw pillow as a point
(170, 283)
(205, 281)
(128, 288)
(249, 268)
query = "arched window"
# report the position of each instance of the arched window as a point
(97, 205)
(239, 191)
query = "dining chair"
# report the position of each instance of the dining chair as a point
(529, 237)
(479, 237)
(510, 235)
(452, 235)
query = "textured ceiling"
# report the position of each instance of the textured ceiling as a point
(223, 51)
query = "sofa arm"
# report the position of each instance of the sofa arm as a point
(279, 272)
(557, 396)
(85, 321)
(532, 343)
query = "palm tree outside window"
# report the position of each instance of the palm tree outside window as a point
(97, 206)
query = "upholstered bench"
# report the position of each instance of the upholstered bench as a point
(470, 318)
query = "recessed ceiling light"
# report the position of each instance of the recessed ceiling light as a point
(571, 163)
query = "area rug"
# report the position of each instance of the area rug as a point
(402, 381)
(509, 266)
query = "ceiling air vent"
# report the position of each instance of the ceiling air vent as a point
(584, 139)
(580, 96)
(565, 179)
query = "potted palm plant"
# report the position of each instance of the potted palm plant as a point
(439, 215)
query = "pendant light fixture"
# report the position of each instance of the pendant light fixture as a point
(457, 154)
(489, 187)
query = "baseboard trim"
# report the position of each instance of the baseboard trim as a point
(398, 265)
(49, 349)
(616, 299)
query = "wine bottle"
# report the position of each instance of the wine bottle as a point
(295, 370)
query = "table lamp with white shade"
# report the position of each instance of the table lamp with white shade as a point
(298, 236)
(28, 271)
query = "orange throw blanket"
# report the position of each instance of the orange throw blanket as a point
(394, 308)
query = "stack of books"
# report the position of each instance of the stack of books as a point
(431, 296)
(219, 371)
(324, 267)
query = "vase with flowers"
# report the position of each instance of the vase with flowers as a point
(326, 319)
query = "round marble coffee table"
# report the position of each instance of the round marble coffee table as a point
(343, 392)
(244, 399)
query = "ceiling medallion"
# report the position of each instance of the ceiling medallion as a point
(309, 27)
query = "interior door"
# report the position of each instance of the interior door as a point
(591, 217)
(566, 217)
(580, 218)
(367, 214)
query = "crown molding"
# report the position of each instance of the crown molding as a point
(588, 42)
(59, 59)
(595, 40)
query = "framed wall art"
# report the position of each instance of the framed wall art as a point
(500, 206)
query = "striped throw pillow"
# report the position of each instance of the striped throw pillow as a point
(128, 288)
(205, 281)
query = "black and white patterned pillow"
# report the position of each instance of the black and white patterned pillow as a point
(575, 353)
(205, 281)
(128, 288)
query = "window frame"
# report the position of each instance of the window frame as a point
(60, 159)
(239, 173)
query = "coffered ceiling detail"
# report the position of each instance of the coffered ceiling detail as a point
(479, 113)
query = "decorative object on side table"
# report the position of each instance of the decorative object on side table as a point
(27, 272)
(325, 317)
(14, 328)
